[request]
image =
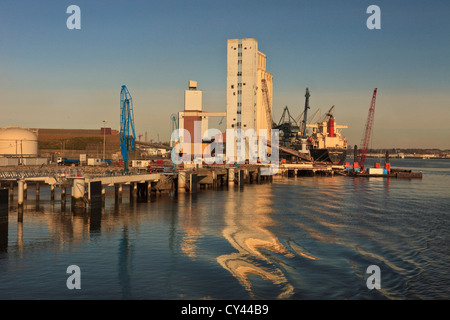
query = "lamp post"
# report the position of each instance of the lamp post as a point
(104, 140)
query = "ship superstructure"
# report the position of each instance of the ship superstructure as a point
(326, 142)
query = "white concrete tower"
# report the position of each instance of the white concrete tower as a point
(246, 104)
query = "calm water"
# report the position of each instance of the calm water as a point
(296, 238)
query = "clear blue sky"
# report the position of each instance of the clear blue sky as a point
(52, 77)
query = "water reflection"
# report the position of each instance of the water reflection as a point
(190, 222)
(246, 228)
(125, 252)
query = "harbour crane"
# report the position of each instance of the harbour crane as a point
(313, 118)
(328, 115)
(265, 92)
(287, 118)
(127, 134)
(288, 128)
(303, 124)
(305, 114)
(174, 127)
(367, 131)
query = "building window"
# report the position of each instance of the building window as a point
(232, 86)
(239, 112)
(239, 74)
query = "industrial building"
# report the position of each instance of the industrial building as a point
(249, 88)
(19, 146)
(194, 121)
(248, 102)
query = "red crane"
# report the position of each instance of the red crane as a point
(365, 142)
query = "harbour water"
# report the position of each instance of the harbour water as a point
(294, 238)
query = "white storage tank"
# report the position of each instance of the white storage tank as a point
(18, 142)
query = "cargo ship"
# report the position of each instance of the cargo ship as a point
(326, 143)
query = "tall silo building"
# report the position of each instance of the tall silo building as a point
(247, 105)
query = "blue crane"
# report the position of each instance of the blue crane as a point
(126, 123)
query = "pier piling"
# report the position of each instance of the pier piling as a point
(78, 191)
(118, 193)
(230, 177)
(20, 195)
(52, 193)
(181, 181)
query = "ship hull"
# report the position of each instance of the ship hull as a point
(335, 156)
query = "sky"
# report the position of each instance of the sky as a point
(53, 77)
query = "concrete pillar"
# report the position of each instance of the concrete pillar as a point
(52, 192)
(214, 179)
(247, 176)
(63, 193)
(118, 193)
(25, 189)
(241, 177)
(193, 181)
(182, 182)
(149, 190)
(37, 191)
(119, 190)
(11, 191)
(230, 177)
(20, 193)
(63, 198)
(134, 190)
(103, 194)
(78, 191)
